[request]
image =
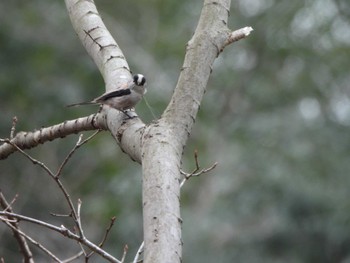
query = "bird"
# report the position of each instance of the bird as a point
(123, 98)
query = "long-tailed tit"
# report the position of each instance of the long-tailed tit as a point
(123, 98)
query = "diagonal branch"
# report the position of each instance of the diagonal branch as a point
(27, 140)
(99, 43)
(210, 38)
(63, 231)
(164, 140)
(31, 240)
(23, 245)
(113, 66)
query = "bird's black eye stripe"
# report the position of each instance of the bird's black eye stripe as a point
(116, 93)
(143, 81)
(139, 79)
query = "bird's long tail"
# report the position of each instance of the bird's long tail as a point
(82, 103)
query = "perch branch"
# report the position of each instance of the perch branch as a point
(99, 43)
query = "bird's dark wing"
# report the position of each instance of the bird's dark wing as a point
(82, 103)
(112, 94)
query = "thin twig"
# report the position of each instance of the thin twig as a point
(64, 231)
(13, 224)
(34, 242)
(105, 236)
(61, 230)
(196, 171)
(203, 171)
(79, 218)
(107, 231)
(58, 173)
(77, 146)
(75, 214)
(139, 252)
(126, 248)
(78, 255)
(237, 35)
(43, 166)
(13, 128)
(61, 215)
(33, 160)
(79, 227)
(5, 205)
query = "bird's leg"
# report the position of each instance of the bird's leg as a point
(126, 113)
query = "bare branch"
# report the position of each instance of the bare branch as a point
(34, 242)
(13, 128)
(60, 215)
(107, 231)
(78, 219)
(237, 35)
(4, 204)
(13, 224)
(78, 255)
(104, 237)
(196, 171)
(57, 180)
(33, 160)
(63, 231)
(138, 253)
(27, 140)
(99, 43)
(77, 146)
(126, 248)
(75, 214)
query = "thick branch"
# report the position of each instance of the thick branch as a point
(127, 133)
(161, 194)
(99, 43)
(211, 36)
(27, 140)
(164, 140)
(112, 64)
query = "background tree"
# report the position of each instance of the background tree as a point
(275, 116)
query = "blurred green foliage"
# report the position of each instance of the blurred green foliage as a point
(276, 117)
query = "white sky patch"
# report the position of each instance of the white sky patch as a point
(310, 18)
(341, 30)
(309, 108)
(340, 106)
(254, 7)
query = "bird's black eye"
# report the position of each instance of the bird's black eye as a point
(139, 79)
